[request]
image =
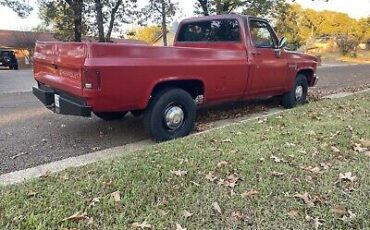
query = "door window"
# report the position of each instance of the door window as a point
(261, 34)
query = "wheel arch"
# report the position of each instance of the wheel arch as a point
(309, 73)
(193, 86)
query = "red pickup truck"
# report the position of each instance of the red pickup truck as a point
(214, 59)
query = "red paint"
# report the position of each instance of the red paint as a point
(126, 74)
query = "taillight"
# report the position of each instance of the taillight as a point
(91, 79)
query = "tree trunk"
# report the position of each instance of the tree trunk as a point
(99, 20)
(77, 6)
(112, 18)
(164, 25)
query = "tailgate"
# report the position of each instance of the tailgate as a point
(59, 65)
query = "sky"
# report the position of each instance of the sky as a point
(355, 8)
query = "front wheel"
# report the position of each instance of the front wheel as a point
(171, 114)
(110, 116)
(298, 94)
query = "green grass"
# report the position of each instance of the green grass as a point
(150, 192)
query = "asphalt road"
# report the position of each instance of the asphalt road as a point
(31, 135)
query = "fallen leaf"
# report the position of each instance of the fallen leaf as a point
(347, 177)
(339, 210)
(32, 194)
(46, 174)
(276, 174)
(349, 217)
(116, 196)
(228, 140)
(77, 217)
(221, 163)
(142, 225)
(306, 198)
(317, 222)
(94, 201)
(315, 170)
(179, 173)
(211, 177)
(365, 143)
(358, 148)
(293, 213)
(18, 155)
(275, 158)
(216, 207)
(178, 227)
(195, 183)
(335, 149)
(248, 193)
(230, 181)
(186, 213)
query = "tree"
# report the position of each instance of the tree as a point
(60, 17)
(77, 7)
(162, 11)
(110, 13)
(20, 7)
(263, 8)
(148, 34)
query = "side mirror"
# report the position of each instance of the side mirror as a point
(282, 42)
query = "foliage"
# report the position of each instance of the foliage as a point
(148, 34)
(264, 8)
(60, 16)
(22, 8)
(301, 25)
(162, 11)
(114, 13)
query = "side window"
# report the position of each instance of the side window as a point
(261, 34)
(210, 31)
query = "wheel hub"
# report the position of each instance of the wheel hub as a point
(174, 117)
(298, 92)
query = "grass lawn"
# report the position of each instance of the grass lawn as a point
(305, 169)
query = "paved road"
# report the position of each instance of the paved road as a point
(16, 80)
(31, 135)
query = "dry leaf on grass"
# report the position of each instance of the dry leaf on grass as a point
(293, 213)
(347, 177)
(306, 198)
(249, 193)
(32, 194)
(179, 173)
(339, 210)
(317, 222)
(276, 174)
(276, 159)
(211, 177)
(335, 149)
(230, 181)
(358, 148)
(186, 213)
(116, 196)
(77, 217)
(216, 207)
(141, 225)
(349, 217)
(228, 140)
(222, 163)
(178, 227)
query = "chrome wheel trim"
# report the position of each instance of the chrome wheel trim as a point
(298, 93)
(174, 117)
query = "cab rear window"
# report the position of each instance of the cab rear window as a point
(226, 30)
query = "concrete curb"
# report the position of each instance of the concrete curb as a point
(57, 166)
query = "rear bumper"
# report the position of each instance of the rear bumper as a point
(68, 104)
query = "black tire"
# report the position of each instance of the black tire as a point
(160, 106)
(110, 116)
(291, 98)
